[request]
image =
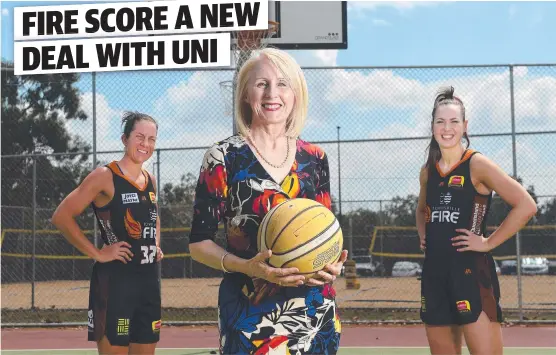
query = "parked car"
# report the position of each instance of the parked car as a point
(498, 270)
(365, 266)
(552, 267)
(529, 266)
(406, 269)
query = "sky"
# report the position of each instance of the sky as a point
(419, 33)
(367, 103)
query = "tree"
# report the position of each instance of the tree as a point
(35, 109)
(176, 202)
(363, 221)
(547, 214)
(499, 209)
(401, 210)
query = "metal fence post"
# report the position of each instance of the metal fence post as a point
(33, 259)
(339, 179)
(514, 163)
(350, 243)
(22, 245)
(381, 237)
(158, 173)
(158, 206)
(95, 146)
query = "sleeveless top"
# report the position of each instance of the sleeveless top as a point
(131, 217)
(453, 203)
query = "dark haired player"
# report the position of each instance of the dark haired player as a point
(124, 302)
(459, 286)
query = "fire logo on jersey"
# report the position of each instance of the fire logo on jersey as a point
(456, 181)
(132, 227)
(428, 214)
(445, 214)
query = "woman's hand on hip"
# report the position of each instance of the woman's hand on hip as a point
(470, 241)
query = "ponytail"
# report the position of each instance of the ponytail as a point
(433, 156)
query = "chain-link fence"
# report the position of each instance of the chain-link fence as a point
(374, 124)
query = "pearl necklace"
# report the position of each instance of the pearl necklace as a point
(269, 163)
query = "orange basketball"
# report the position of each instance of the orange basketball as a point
(301, 233)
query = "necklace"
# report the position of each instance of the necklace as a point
(269, 163)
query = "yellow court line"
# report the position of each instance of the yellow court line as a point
(78, 257)
(394, 255)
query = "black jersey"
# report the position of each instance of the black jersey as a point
(131, 217)
(453, 203)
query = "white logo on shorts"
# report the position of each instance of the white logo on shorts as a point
(90, 322)
(130, 198)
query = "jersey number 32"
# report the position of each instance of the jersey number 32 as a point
(148, 254)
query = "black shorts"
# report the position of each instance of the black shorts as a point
(458, 290)
(124, 306)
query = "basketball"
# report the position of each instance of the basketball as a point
(301, 233)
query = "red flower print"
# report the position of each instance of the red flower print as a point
(215, 180)
(314, 150)
(328, 291)
(324, 198)
(271, 343)
(266, 201)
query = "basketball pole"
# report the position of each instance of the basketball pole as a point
(33, 257)
(514, 168)
(339, 180)
(350, 244)
(95, 236)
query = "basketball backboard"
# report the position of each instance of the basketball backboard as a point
(309, 24)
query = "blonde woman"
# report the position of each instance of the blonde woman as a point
(264, 309)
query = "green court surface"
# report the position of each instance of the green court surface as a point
(343, 351)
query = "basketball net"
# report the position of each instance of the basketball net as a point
(244, 43)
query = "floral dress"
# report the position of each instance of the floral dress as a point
(256, 316)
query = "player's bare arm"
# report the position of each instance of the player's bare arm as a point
(94, 188)
(485, 172)
(211, 254)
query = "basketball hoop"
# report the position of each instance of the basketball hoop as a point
(243, 45)
(227, 91)
(254, 39)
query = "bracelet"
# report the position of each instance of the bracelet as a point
(222, 263)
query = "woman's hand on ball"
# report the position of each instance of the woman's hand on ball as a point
(330, 271)
(258, 267)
